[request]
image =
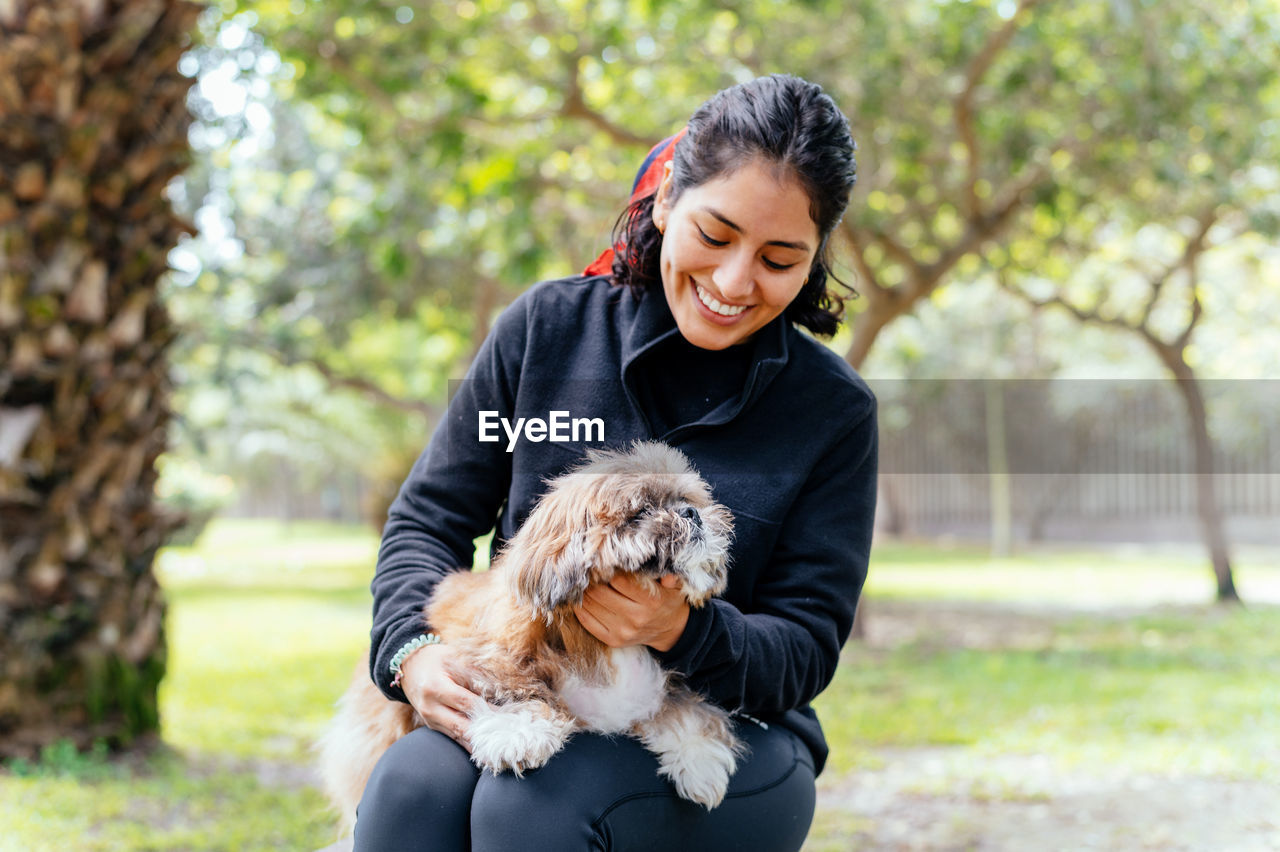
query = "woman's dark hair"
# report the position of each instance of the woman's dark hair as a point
(786, 121)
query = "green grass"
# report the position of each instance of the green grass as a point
(1184, 691)
(267, 626)
(267, 622)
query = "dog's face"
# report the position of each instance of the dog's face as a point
(643, 512)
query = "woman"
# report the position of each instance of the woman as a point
(687, 335)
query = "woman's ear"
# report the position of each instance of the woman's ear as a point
(661, 207)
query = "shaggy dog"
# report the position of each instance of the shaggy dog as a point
(542, 675)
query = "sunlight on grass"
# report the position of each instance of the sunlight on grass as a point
(1180, 692)
(1119, 576)
(272, 554)
(265, 636)
(171, 807)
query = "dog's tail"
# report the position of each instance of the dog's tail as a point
(366, 725)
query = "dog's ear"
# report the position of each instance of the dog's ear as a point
(548, 562)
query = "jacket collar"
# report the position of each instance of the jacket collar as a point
(652, 323)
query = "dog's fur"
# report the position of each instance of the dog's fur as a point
(643, 512)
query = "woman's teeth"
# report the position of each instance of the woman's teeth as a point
(712, 303)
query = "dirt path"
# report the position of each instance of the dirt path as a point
(889, 809)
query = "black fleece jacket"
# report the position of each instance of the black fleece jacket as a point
(792, 454)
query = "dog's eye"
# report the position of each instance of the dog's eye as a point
(637, 517)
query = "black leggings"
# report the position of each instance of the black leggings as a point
(599, 793)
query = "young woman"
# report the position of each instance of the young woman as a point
(687, 334)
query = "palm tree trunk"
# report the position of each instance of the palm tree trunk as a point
(93, 125)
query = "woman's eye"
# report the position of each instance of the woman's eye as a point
(709, 241)
(778, 267)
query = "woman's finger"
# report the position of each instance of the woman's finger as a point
(633, 589)
(451, 723)
(604, 598)
(654, 616)
(450, 711)
(456, 696)
(593, 624)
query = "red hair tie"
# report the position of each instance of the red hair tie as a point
(647, 180)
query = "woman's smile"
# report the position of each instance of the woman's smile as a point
(720, 312)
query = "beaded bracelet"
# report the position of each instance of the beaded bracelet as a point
(409, 647)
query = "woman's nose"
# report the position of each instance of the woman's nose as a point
(733, 277)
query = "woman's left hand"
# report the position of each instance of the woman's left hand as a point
(627, 611)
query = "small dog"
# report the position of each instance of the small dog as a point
(542, 675)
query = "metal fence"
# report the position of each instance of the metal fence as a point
(1081, 459)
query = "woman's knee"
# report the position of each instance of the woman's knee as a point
(557, 807)
(532, 812)
(422, 786)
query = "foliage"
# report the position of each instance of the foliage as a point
(62, 759)
(385, 174)
(522, 123)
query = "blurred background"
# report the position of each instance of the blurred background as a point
(1063, 243)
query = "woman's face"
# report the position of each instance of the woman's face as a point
(736, 250)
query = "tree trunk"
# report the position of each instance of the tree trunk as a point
(93, 125)
(1206, 491)
(867, 327)
(1211, 524)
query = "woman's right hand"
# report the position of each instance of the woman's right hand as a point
(440, 699)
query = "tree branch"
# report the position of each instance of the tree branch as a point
(575, 106)
(1195, 245)
(1057, 300)
(896, 250)
(360, 384)
(858, 240)
(372, 391)
(978, 67)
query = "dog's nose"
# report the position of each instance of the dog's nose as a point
(690, 514)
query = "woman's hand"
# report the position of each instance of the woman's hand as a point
(437, 693)
(630, 612)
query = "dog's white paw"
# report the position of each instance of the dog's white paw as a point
(700, 769)
(516, 737)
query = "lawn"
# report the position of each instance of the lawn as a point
(1069, 659)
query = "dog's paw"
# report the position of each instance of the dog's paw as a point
(700, 769)
(516, 737)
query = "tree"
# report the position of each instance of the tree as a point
(1199, 173)
(1171, 287)
(93, 126)
(476, 147)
